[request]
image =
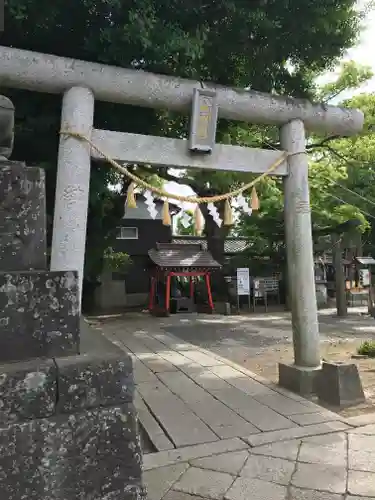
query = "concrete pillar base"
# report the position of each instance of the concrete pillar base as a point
(340, 385)
(299, 379)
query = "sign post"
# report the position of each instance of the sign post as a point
(203, 121)
(243, 284)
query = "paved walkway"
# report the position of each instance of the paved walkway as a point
(221, 432)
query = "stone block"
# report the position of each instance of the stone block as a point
(170, 457)
(295, 433)
(274, 470)
(88, 381)
(204, 483)
(320, 477)
(230, 463)
(248, 488)
(340, 385)
(89, 455)
(27, 390)
(22, 217)
(6, 126)
(361, 483)
(39, 314)
(298, 379)
(160, 481)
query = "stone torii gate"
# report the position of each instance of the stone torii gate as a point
(82, 82)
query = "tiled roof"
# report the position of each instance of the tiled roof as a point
(185, 256)
(231, 245)
(367, 261)
(328, 260)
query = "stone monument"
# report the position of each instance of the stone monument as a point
(68, 427)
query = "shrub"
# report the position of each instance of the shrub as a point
(367, 348)
(116, 261)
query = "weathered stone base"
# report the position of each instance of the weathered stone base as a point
(340, 385)
(39, 314)
(69, 430)
(90, 455)
(23, 217)
(299, 379)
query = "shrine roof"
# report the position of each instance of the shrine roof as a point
(232, 245)
(182, 256)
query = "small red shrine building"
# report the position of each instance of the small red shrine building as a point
(171, 262)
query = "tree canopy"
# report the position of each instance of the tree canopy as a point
(341, 175)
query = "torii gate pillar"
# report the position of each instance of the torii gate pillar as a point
(72, 185)
(300, 376)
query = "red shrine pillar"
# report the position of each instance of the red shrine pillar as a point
(208, 286)
(191, 287)
(152, 294)
(168, 294)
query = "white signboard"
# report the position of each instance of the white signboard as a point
(364, 276)
(243, 281)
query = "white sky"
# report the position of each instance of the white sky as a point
(363, 53)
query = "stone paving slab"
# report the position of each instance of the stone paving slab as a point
(313, 418)
(295, 432)
(161, 459)
(287, 449)
(255, 489)
(206, 483)
(182, 425)
(212, 411)
(231, 463)
(151, 426)
(159, 481)
(274, 470)
(325, 477)
(298, 494)
(366, 430)
(361, 483)
(179, 495)
(261, 416)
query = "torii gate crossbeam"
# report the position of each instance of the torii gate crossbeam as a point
(82, 82)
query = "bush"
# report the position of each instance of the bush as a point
(367, 348)
(116, 261)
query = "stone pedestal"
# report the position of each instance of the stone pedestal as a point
(68, 430)
(340, 385)
(68, 426)
(298, 379)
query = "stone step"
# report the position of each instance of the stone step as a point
(39, 314)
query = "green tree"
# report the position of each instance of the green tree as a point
(242, 43)
(188, 230)
(328, 171)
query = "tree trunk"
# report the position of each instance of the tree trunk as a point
(215, 236)
(341, 305)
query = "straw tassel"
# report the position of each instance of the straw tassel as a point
(198, 221)
(166, 215)
(228, 214)
(130, 198)
(254, 199)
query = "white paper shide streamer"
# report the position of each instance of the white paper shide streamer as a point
(186, 218)
(243, 204)
(150, 202)
(214, 214)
